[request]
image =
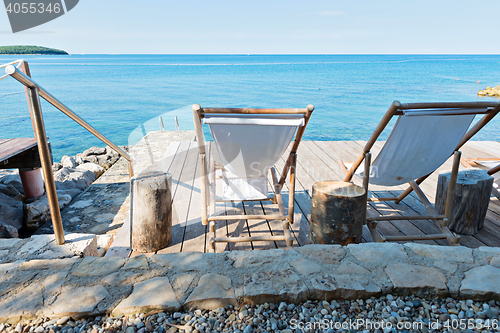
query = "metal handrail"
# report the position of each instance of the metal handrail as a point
(18, 62)
(28, 82)
(34, 92)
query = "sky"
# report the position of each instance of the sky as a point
(268, 27)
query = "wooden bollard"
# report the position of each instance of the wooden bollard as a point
(151, 212)
(471, 200)
(338, 213)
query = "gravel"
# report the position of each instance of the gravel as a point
(381, 315)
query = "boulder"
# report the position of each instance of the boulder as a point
(11, 211)
(103, 159)
(94, 151)
(14, 180)
(37, 210)
(111, 152)
(8, 231)
(91, 159)
(73, 178)
(490, 92)
(56, 166)
(78, 159)
(95, 168)
(69, 162)
(9, 190)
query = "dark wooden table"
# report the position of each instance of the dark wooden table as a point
(19, 153)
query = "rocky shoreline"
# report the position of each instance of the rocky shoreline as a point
(72, 176)
(490, 92)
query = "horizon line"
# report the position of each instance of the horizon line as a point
(269, 54)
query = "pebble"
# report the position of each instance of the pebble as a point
(63, 320)
(282, 307)
(243, 314)
(444, 317)
(273, 317)
(491, 313)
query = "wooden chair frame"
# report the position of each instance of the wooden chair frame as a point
(488, 109)
(208, 191)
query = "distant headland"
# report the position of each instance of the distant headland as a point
(30, 49)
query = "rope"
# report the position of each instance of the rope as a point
(2, 95)
(14, 122)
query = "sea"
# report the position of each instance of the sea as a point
(126, 96)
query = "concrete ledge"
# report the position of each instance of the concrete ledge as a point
(45, 247)
(171, 282)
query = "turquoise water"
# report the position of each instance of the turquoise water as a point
(118, 93)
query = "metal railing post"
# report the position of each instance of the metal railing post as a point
(45, 159)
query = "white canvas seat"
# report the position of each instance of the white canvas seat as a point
(417, 146)
(424, 137)
(243, 148)
(249, 142)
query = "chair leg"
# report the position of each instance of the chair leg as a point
(372, 227)
(410, 189)
(452, 185)
(366, 173)
(343, 168)
(452, 238)
(291, 196)
(204, 196)
(212, 180)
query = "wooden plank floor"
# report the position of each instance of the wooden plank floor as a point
(317, 161)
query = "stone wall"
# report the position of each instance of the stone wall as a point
(81, 287)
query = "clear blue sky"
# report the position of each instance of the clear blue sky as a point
(269, 27)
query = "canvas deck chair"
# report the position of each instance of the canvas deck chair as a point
(249, 142)
(424, 137)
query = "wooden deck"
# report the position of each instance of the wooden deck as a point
(317, 161)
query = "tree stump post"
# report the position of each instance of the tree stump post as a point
(471, 200)
(338, 213)
(151, 212)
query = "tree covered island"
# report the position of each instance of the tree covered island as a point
(30, 49)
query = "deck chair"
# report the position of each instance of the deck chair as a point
(424, 136)
(249, 142)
